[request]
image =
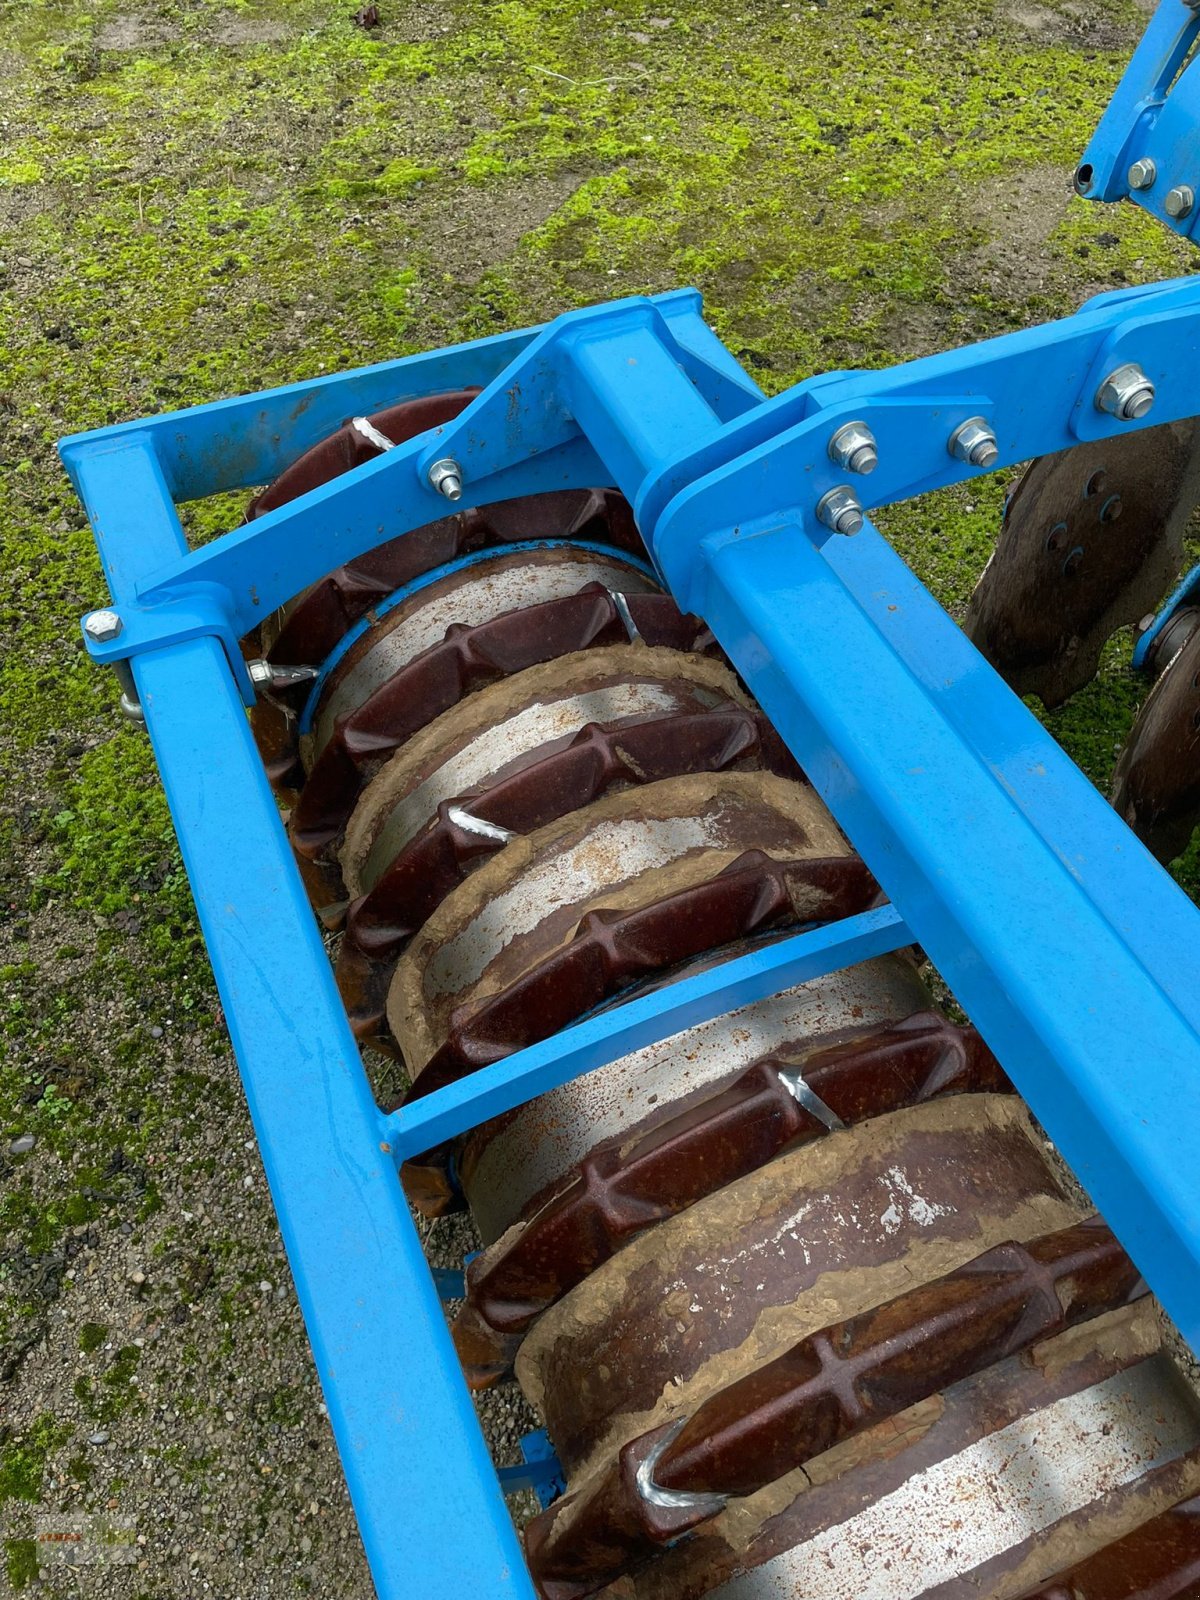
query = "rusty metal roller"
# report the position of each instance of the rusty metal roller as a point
(471, 624)
(461, 629)
(1031, 1478)
(896, 1362)
(624, 1186)
(309, 627)
(518, 754)
(804, 1305)
(1092, 539)
(829, 1387)
(512, 1166)
(634, 883)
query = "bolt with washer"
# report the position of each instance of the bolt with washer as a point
(853, 447)
(1142, 174)
(1127, 393)
(1179, 201)
(446, 477)
(975, 443)
(102, 626)
(840, 510)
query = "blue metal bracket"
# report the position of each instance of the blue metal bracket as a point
(1185, 591)
(1073, 952)
(542, 1471)
(119, 473)
(1147, 145)
(450, 1284)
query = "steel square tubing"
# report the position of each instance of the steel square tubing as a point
(414, 1458)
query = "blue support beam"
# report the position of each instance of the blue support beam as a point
(1007, 899)
(602, 411)
(414, 1457)
(603, 1038)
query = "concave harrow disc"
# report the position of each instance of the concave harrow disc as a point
(1092, 538)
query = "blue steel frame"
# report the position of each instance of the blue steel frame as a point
(1073, 952)
(1070, 948)
(1154, 116)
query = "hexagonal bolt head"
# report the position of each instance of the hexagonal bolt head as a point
(974, 442)
(446, 477)
(1126, 393)
(853, 446)
(1179, 201)
(101, 626)
(1142, 174)
(840, 510)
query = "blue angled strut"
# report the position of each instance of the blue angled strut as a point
(1073, 952)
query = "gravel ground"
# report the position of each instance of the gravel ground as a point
(199, 198)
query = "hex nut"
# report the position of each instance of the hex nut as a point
(854, 447)
(1127, 393)
(1179, 201)
(840, 510)
(974, 442)
(446, 477)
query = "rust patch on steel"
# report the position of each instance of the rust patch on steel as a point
(832, 1384)
(612, 948)
(866, 1471)
(1156, 785)
(1092, 537)
(1158, 1561)
(517, 722)
(502, 585)
(512, 1164)
(309, 627)
(627, 1186)
(598, 761)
